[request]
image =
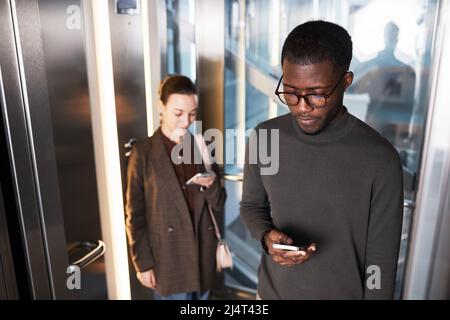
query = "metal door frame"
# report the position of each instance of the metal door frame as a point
(425, 278)
(27, 121)
(8, 285)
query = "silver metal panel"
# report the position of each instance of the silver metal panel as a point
(99, 60)
(68, 93)
(20, 159)
(37, 112)
(210, 43)
(439, 285)
(65, 66)
(129, 85)
(156, 36)
(129, 80)
(210, 50)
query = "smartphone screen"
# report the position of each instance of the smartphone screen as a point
(285, 247)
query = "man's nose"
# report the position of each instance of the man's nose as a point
(302, 106)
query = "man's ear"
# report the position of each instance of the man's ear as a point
(348, 80)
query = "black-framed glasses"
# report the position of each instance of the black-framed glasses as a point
(312, 100)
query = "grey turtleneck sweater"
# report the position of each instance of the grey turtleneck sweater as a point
(341, 189)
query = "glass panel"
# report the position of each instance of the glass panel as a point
(391, 63)
(256, 106)
(181, 55)
(267, 25)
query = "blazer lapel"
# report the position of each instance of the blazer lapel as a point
(164, 169)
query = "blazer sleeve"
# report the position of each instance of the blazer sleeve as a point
(216, 195)
(136, 221)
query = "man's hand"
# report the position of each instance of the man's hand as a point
(147, 278)
(284, 257)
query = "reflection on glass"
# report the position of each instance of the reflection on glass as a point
(392, 53)
(256, 107)
(181, 53)
(390, 84)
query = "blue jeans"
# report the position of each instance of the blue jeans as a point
(183, 296)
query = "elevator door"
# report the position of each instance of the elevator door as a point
(48, 128)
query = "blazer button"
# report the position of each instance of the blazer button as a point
(170, 229)
(210, 228)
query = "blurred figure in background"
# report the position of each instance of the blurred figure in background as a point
(390, 84)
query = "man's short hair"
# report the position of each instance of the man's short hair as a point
(318, 41)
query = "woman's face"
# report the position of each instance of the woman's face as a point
(178, 114)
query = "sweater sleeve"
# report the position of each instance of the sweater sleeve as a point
(255, 207)
(136, 222)
(384, 232)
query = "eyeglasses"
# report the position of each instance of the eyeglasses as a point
(312, 100)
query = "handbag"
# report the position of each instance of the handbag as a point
(224, 257)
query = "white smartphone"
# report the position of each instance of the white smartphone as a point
(285, 247)
(200, 174)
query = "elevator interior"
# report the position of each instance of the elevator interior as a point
(49, 208)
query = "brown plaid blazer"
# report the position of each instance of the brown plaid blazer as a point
(160, 230)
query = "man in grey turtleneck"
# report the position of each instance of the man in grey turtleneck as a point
(338, 192)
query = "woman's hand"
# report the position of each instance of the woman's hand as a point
(147, 278)
(205, 181)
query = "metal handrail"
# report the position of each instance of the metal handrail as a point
(409, 204)
(92, 255)
(234, 177)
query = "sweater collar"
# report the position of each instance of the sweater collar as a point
(331, 132)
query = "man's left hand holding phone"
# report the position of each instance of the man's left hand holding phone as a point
(288, 257)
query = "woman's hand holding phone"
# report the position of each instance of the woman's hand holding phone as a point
(204, 179)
